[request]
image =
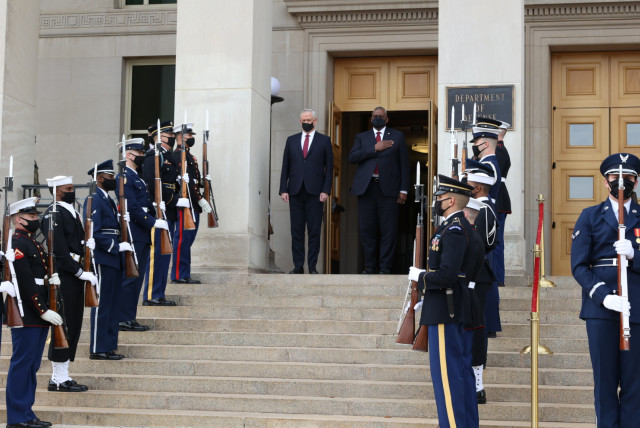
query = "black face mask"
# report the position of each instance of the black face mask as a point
(628, 188)
(109, 184)
(190, 142)
(69, 197)
(171, 141)
(32, 226)
(378, 122)
(476, 151)
(139, 160)
(307, 127)
(438, 206)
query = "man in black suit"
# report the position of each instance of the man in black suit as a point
(305, 182)
(381, 183)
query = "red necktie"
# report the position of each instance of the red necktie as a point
(305, 148)
(375, 171)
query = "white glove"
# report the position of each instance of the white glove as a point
(207, 177)
(125, 246)
(127, 217)
(414, 273)
(55, 279)
(185, 177)
(418, 305)
(161, 224)
(624, 248)
(206, 208)
(10, 255)
(183, 203)
(91, 244)
(7, 287)
(617, 303)
(89, 276)
(162, 206)
(52, 317)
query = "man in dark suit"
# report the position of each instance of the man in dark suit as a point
(594, 264)
(305, 182)
(381, 183)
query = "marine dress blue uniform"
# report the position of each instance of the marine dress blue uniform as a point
(594, 266)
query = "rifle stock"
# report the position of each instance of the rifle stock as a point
(625, 328)
(212, 217)
(13, 312)
(187, 213)
(165, 240)
(59, 336)
(90, 293)
(130, 265)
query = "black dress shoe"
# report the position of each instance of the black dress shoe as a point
(481, 396)
(67, 386)
(367, 271)
(297, 270)
(179, 281)
(492, 334)
(314, 272)
(138, 327)
(501, 284)
(160, 301)
(384, 272)
(34, 423)
(192, 281)
(106, 356)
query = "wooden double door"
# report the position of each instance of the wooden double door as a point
(596, 112)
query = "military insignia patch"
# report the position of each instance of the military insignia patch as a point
(19, 254)
(435, 242)
(636, 232)
(575, 234)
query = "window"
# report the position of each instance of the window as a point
(150, 94)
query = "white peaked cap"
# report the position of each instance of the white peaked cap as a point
(475, 204)
(59, 180)
(23, 205)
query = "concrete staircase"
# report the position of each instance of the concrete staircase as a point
(248, 350)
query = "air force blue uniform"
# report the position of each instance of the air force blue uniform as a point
(592, 255)
(106, 233)
(141, 213)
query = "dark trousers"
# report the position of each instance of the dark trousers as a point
(378, 223)
(28, 345)
(182, 241)
(613, 368)
(131, 286)
(158, 268)
(105, 317)
(452, 375)
(492, 304)
(479, 346)
(498, 266)
(305, 211)
(72, 292)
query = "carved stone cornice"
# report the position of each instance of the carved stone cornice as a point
(588, 10)
(116, 22)
(338, 13)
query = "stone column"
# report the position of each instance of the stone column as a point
(223, 65)
(485, 46)
(19, 31)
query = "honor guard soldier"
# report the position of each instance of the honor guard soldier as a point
(480, 177)
(142, 216)
(106, 254)
(503, 202)
(158, 268)
(594, 265)
(452, 254)
(184, 238)
(68, 235)
(29, 262)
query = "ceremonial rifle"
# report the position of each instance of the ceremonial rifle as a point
(406, 332)
(14, 307)
(188, 217)
(208, 193)
(90, 293)
(58, 333)
(165, 239)
(623, 291)
(454, 145)
(130, 257)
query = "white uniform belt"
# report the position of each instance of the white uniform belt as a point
(39, 281)
(610, 262)
(75, 257)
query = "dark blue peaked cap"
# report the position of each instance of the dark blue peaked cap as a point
(450, 185)
(611, 165)
(106, 166)
(479, 167)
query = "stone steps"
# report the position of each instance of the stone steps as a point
(250, 350)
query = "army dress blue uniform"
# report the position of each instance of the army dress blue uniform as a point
(142, 215)
(503, 208)
(28, 341)
(109, 265)
(184, 239)
(594, 266)
(158, 269)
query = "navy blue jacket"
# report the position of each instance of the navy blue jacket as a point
(106, 229)
(492, 160)
(316, 171)
(593, 236)
(31, 265)
(168, 177)
(139, 206)
(503, 202)
(393, 163)
(68, 236)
